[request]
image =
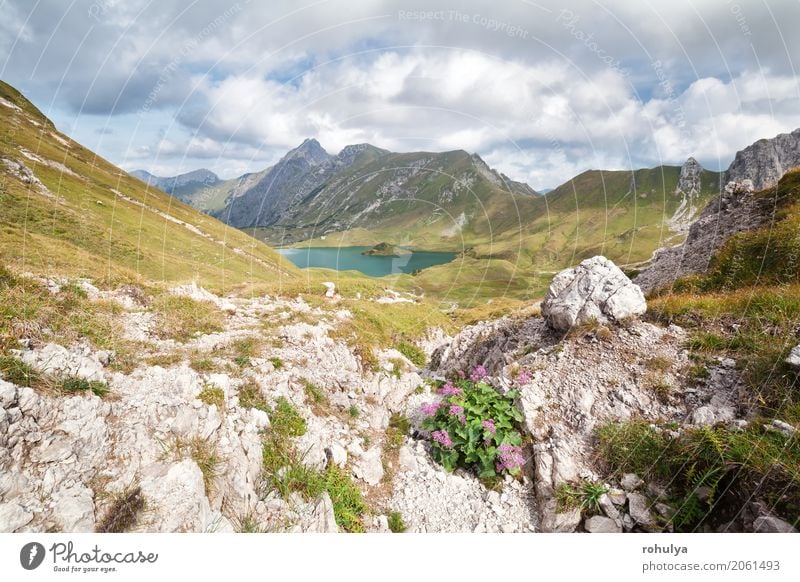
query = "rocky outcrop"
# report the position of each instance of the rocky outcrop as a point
(575, 385)
(766, 161)
(757, 167)
(689, 187)
(594, 290)
(734, 211)
(689, 178)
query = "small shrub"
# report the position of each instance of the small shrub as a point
(396, 523)
(353, 411)
(250, 396)
(415, 355)
(277, 363)
(123, 513)
(475, 427)
(247, 347)
(348, 502)
(285, 419)
(212, 395)
(164, 360)
(248, 524)
(18, 372)
(72, 385)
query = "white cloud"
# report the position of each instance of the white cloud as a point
(241, 83)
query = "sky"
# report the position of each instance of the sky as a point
(541, 90)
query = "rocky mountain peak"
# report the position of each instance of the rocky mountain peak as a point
(689, 179)
(310, 151)
(766, 161)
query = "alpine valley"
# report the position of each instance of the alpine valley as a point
(619, 354)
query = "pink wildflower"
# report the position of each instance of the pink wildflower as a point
(441, 437)
(489, 425)
(449, 390)
(458, 411)
(523, 377)
(478, 374)
(429, 408)
(510, 457)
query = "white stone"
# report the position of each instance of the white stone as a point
(338, 454)
(13, 516)
(596, 289)
(176, 495)
(322, 519)
(793, 359)
(601, 524)
(407, 460)
(639, 509)
(631, 481)
(8, 393)
(369, 467)
(73, 509)
(772, 524)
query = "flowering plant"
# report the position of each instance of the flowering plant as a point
(474, 426)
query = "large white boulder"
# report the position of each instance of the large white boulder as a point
(594, 290)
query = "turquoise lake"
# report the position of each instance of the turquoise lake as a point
(351, 259)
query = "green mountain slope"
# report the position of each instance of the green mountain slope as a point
(427, 200)
(65, 210)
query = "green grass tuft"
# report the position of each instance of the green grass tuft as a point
(212, 395)
(415, 355)
(285, 419)
(74, 384)
(250, 396)
(396, 523)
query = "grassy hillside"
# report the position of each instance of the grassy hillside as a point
(64, 210)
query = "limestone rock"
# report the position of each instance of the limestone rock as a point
(596, 289)
(407, 460)
(322, 519)
(793, 359)
(177, 495)
(369, 467)
(631, 481)
(74, 509)
(766, 161)
(337, 454)
(13, 516)
(600, 524)
(772, 524)
(639, 509)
